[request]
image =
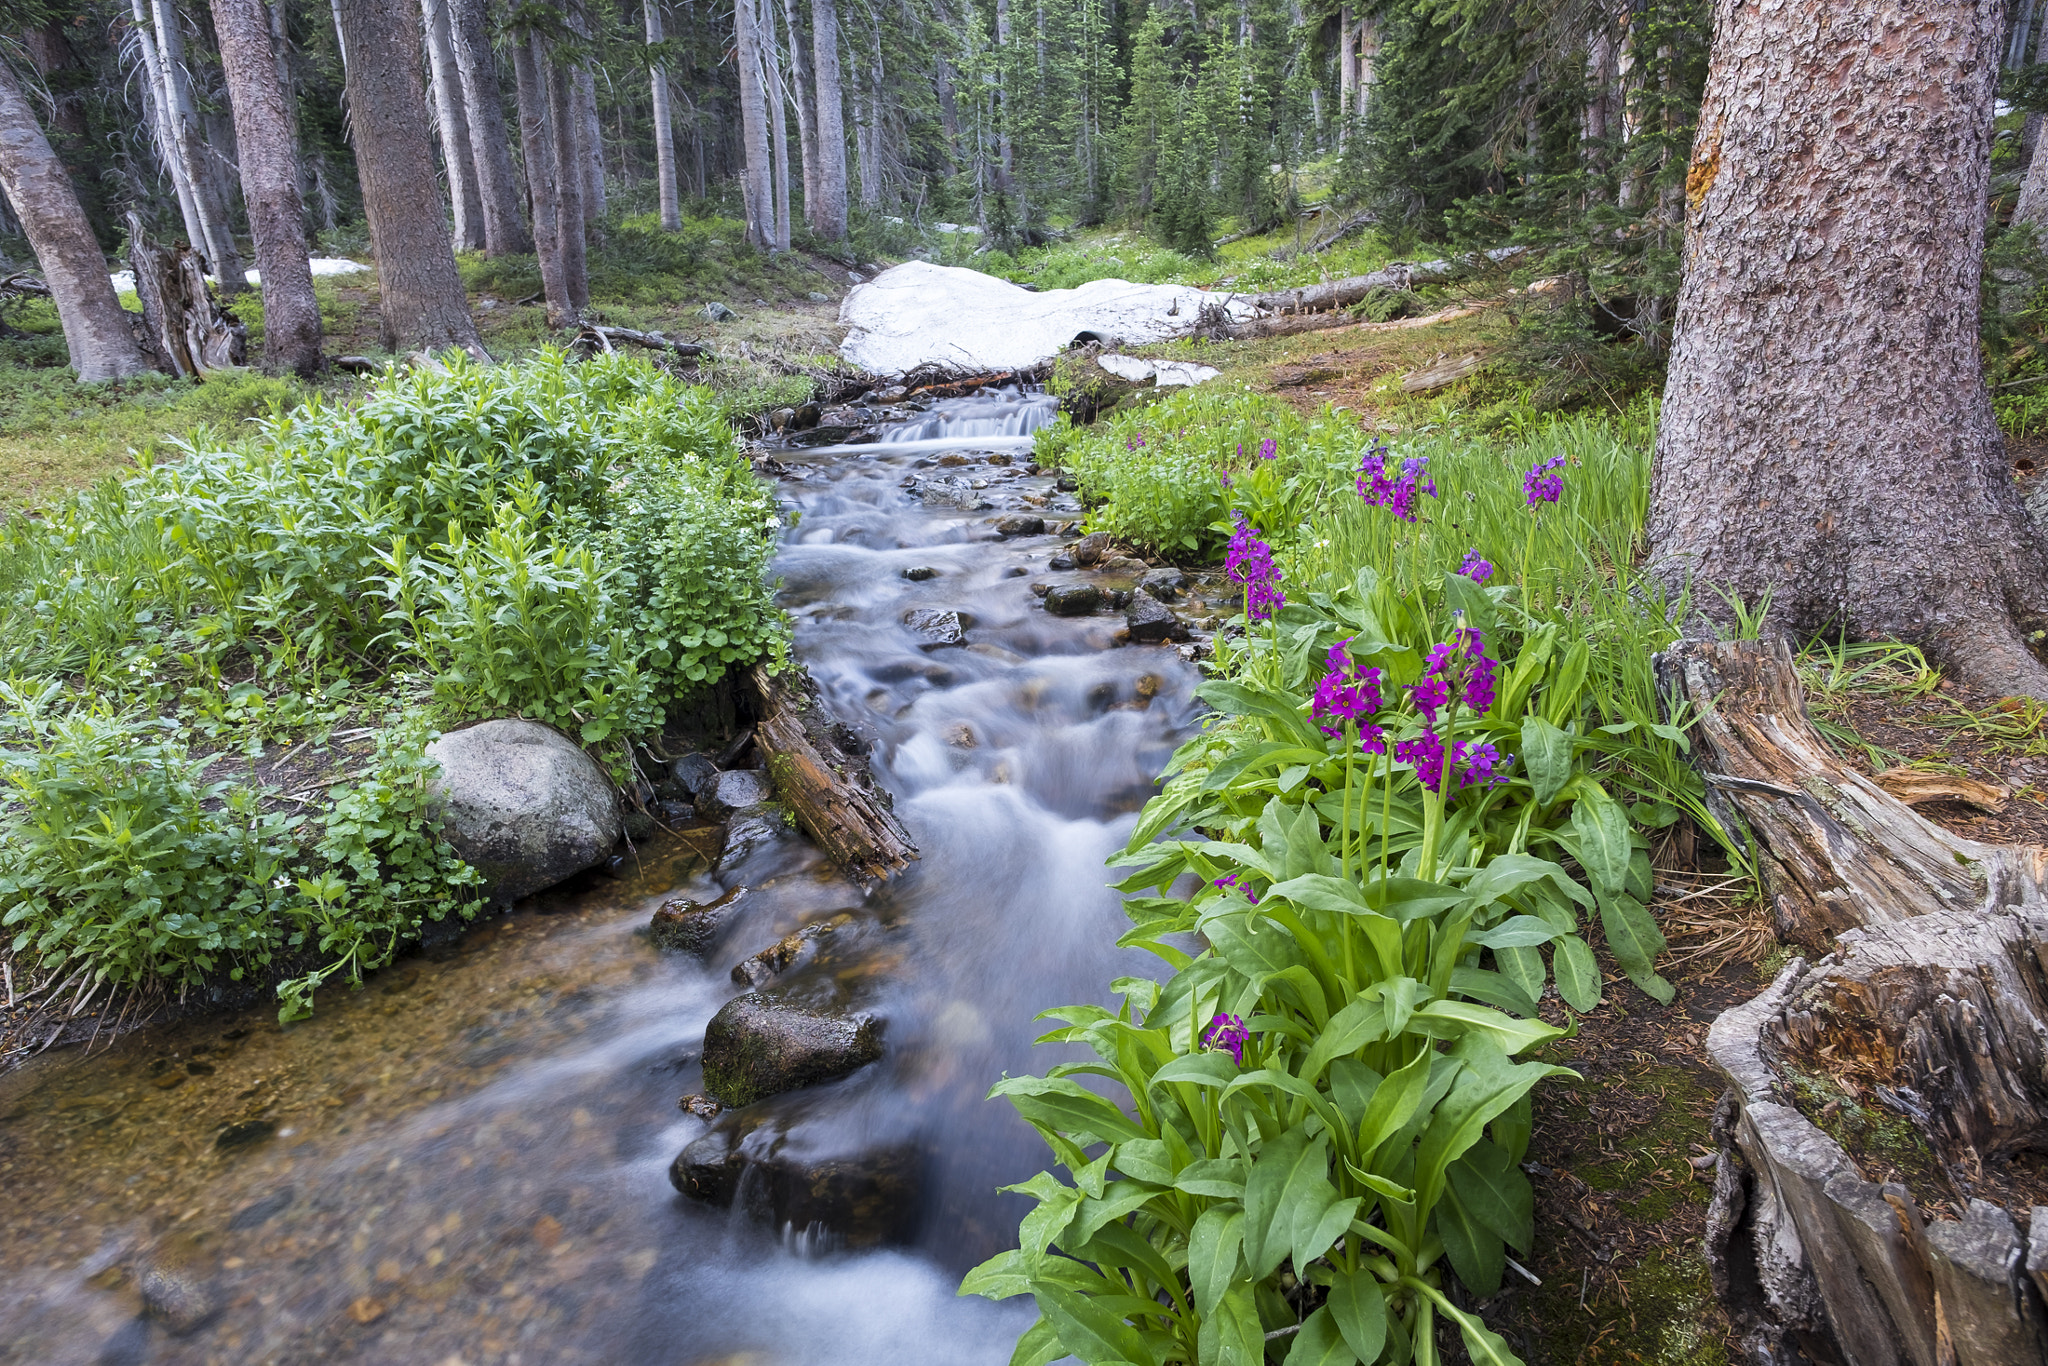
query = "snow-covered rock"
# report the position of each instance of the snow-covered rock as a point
(921, 314)
(1167, 374)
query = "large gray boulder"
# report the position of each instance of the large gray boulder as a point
(524, 805)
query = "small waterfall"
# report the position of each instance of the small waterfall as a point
(1009, 412)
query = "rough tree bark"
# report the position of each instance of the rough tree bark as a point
(497, 182)
(828, 218)
(590, 140)
(776, 87)
(805, 94)
(755, 188)
(96, 328)
(565, 121)
(189, 144)
(1826, 430)
(664, 128)
(423, 306)
(451, 122)
(189, 331)
(160, 121)
(270, 186)
(536, 145)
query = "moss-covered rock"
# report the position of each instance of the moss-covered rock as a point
(767, 1042)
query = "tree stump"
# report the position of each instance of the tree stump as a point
(1928, 1012)
(187, 329)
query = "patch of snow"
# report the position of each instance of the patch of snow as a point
(124, 280)
(919, 314)
(1167, 374)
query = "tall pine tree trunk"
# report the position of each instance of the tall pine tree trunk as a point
(1826, 437)
(189, 140)
(755, 177)
(469, 33)
(664, 127)
(829, 222)
(421, 291)
(162, 134)
(806, 96)
(536, 146)
(452, 123)
(565, 121)
(590, 143)
(777, 89)
(270, 186)
(1347, 71)
(96, 329)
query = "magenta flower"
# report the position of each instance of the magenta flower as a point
(1227, 1032)
(1232, 883)
(1348, 693)
(1395, 492)
(1539, 485)
(1480, 765)
(1476, 569)
(1268, 448)
(1250, 562)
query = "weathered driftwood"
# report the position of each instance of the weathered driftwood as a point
(1443, 374)
(1836, 850)
(1934, 1008)
(821, 773)
(603, 338)
(1346, 292)
(186, 328)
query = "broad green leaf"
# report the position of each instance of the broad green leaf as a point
(1524, 968)
(1406, 898)
(1495, 989)
(1516, 932)
(1473, 1250)
(1209, 1068)
(1214, 1245)
(1352, 1084)
(1000, 1277)
(1494, 1192)
(1320, 892)
(1360, 1309)
(1066, 1106)
(1487, 1348)
(1394, 1102)
(1232, 1335)
(1121, 1246)
(1314, 1233)
(1350, 1029)
(1546, 757)
(1090, 1331)
(1319, 1343)
(1489, 1083)
(1461, 594)
(1253, 945)
(1578, 975)
(1461, 1019)
(1635, 941)
(1505, 873)
(1604, 845)
(1220, 1178)
(1561, 698)
(1291, 1172)
(1039, 1345)
(1143, 1159)
(1118, 1200)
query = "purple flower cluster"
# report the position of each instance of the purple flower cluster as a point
(1227, 1032)
(1476, 569)
(1268, 448)
(1459, 668)
(1250, 562)
(1539, 485)
(1395, 492)
(1234, 885)
(1349, 693)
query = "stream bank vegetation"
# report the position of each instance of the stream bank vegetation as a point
(582, 545)
(1436, 776)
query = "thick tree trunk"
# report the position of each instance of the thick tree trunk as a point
(505, 231)
(423, 305)
(590, 144)
(270, 186)
(96, 328)
(806, 97)
(162, 134)
(1347, 71)
(566, 122)
(828, 219)
(451, 122)
(1826, 430)
(776, 86)
(755, 179)
(190, 143)
(664, 129)
(536, 145)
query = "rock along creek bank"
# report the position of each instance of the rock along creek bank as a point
(471, 1159)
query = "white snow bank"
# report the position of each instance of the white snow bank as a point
(919, 314)
(1167, 374)
(124, 280)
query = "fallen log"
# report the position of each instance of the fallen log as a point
(186, 328)
(603, 338)
(1442, 374)
(1346, 292)
(820, 771)
(1929, 1019)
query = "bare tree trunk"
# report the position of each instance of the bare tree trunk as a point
(755, 177)
(166, 139)
(190, 332)
(806, 107)
(96, 328)
(1004, 158)
(777, 90)
(422, 300)
(1347, 71)
(566, 121)
(270, 186)
(1826, 435)
(664, 130)
(829, 221)
(536, 145)
(505, 231)
(221, 251)
(452, 123)
(1368, 57)
(590, 139)
(871, 125)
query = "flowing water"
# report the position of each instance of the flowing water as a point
(468, 1160)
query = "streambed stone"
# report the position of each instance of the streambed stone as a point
(175, 1288)
(524, 805)
(1072, 599)
(733, 792)
(768, 1042)
(1152, 621)
(694, 926)
(1020, 524)
(1164, 584)
(936, 629)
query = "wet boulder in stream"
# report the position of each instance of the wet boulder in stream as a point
(936, 629)
(1152, 621)
(694, 926)
(1072, 599)
(733, 792)
(784, 1038)
(524, 805)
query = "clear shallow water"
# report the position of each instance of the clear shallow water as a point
(467, 1161)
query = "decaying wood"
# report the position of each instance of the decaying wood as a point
(1836, 850)
(821, 772)
(1346, 292)
(187, 329)
(1916, 788)
(1932, 1010)
(603, 337)
(20, 282)
(1443, 373)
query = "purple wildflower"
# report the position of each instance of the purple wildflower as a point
(1250, 562)
(1476, 569)
(1226, 478)
(1268, 448)
(1484, 765)
(1480, 765)
(1232, 883)
(1227, 1032)
(1541, 486)
(1395, 492)
(1349, 693)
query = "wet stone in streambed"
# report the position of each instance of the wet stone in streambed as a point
(693, 927)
